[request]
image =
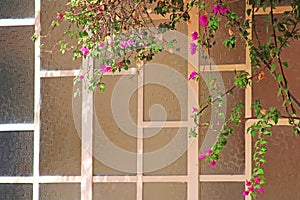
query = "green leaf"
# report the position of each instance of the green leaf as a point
(273, 67)
(260, 172)
(102, 87)
(267, 132)
(286, 64)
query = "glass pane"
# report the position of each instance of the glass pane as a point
(16, 191)
(59, 191)
(168, 147)
(221, 54)
(221, 191)
(114, 191)
(165, 191)
(292, 73)
(52, 59)
(115, 128)
(282, 166)
(16, 153)
(17, 8)
(232, 157)
(60, 152)
(165, 80)
(16, 74)
(165, 88)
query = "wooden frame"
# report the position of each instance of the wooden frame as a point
(87, 179)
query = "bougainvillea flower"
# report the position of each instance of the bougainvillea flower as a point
(251, 189)
(221, 9)
(213, 164)
(101, 45)
(81, 77)
(248, 183)
(245, 193)
(123, 44)
(195, 110)
(60, 15)
(201, 156)
(208, 151)
(130, 42)
(203, 20)
(193, 48)
(120, 64)
(260, 190)
(257, 180)
(193, 75)
(85, 51)
(195, 35)
(106, 68)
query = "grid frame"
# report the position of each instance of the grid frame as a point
(86, 179)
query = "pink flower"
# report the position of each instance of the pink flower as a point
(101, 45)
(260, 190)
(203, 20)
(213, 164)
(120, 64)
(208, 151)
(193, 48)
(195, 35)
(60, 15)
(216, 9)
(257, 180)
(201, 156)
(85, 51)
(251, 189)
(248, 183)
(195, 110)
(221, 9)
(123, 44)
(106, 68)
(245, 193)
(193, 75)
(81, 77)
(130, 42)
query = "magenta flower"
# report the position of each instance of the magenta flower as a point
(123, 44)
(195, 110)
(60, 15)
(245, 193)
(130, 42)
(216, 9)
(203, 20)
(101, 45)
(213, 164)
(221, 9)
(106, 68)
(120, 64)
(201, 156)
(193, 48)
(257, 180)
(195, 35)
(85, 51)
(248, 183)
(208, 151)
(251, 189)
(260, 190)
(81, 77)
(193, 75)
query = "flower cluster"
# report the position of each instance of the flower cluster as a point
(251, 186)
(208, 152)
